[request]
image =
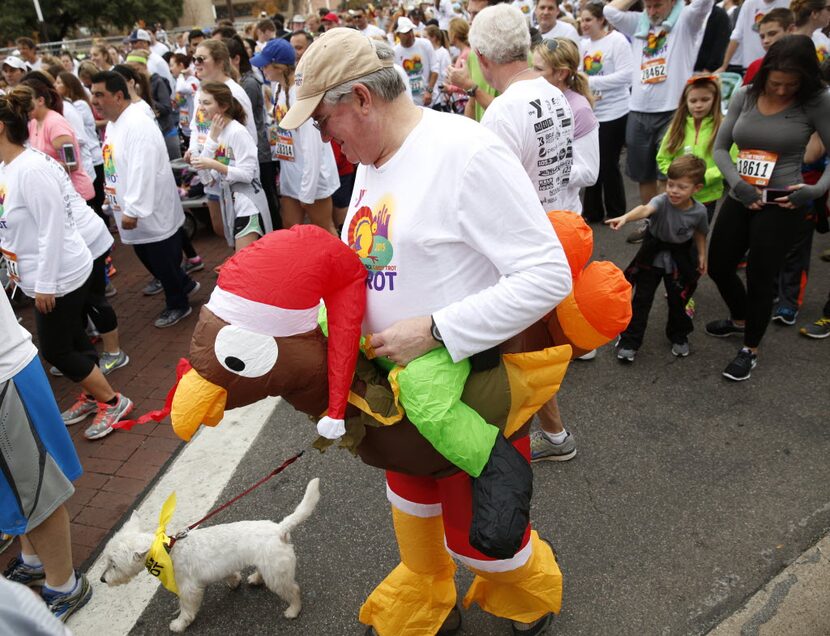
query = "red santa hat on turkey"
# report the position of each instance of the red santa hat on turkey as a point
(274, 287)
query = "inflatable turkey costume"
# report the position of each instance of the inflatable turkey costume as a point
(258, 336)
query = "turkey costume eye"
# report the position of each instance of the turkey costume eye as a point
(244, 352)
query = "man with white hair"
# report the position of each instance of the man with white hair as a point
(665, 39)
(541, 136)
(418, 59)
(446, 262)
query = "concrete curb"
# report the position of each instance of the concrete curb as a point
(794, 603)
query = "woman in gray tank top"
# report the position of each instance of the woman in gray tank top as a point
(771, 122)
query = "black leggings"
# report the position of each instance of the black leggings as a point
(98, 200)
(268, 177)
(609, 182)
(678, 325)
(97, 306)
(62, 335)
(768, 234)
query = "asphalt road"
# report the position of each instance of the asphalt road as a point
(688, 492)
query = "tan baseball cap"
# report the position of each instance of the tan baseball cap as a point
(336, 57)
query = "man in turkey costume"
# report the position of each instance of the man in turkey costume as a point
(469, 263)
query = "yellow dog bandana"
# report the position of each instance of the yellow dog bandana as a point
(158, 561)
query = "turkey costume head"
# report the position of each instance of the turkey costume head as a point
(258, 334)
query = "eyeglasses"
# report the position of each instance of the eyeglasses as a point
(199, 59)
(320, 124)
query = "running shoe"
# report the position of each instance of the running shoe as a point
(785, 316)
(107, 416)
(535, 629)
(56, 372)
(193, 288)
(194, 264)
(588, 356)
(624, 354)
(110, 290)
(637, 235)
(152, 288)
(741, 367)
(819, 329)
(170, 317)
(680, 349)
(109, 362)
(542, 449)
(24, 574)
(63, 605)
(84, 406)
(723, 328)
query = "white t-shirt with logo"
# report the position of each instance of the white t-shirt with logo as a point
(562, 30)
(663, 61)
(525, 6)
(43, 250)
(418, 61)
(138, 181)
(187, 86)
(535, 121)
(372, 31)
(822, 43)
(471, 245)
(746, 28)
(608, 64)
(308, 170)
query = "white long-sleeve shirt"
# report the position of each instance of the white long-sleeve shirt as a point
(90, 131)
(609, 65)
(199, 132)
(664, 61)
(467, 241)
(138, 180)
(75, 120)
(43, 250)
(236, 150)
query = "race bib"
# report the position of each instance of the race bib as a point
(109, 192)
(282, 143)
(653, 71)
(756, 166)
(12, 268)
(416, 84)
(184, 118)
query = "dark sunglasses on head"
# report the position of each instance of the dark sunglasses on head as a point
(199, 59)
(552, 45)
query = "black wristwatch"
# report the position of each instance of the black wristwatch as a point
(436, 335)
(471, 92)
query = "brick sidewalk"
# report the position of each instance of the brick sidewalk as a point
(119, 467)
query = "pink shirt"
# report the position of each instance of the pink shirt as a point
(54, 125)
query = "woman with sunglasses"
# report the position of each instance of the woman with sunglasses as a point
(771, 122)
(308, 171)
(213, 64)
(608, 63)
(558, 62)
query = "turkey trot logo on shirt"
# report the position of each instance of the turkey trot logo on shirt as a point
(821, 52)
(109, 162)
(655, 43)
(593, 63)
(224, 155)
(756, 23)
(368, 236)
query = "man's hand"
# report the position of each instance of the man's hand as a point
(460, 76)
(427, 97)
(128, 222)
(405, 340)
(44, 302)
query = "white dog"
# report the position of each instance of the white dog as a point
(218, 553)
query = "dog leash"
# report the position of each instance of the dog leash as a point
(276, 471)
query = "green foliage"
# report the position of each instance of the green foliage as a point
(63, 17)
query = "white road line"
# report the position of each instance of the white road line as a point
(198, 475)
